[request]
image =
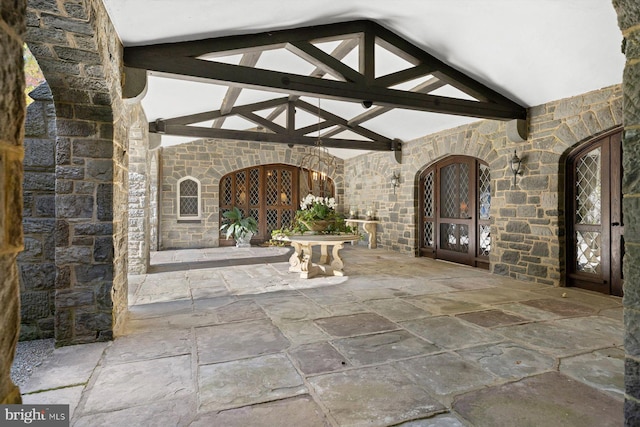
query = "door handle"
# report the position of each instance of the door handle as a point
(615, 224)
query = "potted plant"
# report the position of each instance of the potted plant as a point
(242, 229)
(318, 214)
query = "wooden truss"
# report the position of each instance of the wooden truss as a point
(332, 78)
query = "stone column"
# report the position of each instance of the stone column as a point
(12, 114)
(37, 262)
(139, 198)
(154, 196)
(629, 22)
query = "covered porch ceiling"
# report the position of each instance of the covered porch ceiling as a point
(360, 74)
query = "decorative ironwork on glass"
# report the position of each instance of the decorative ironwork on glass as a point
(484, 192)
(428, 234)
(454, 190)
(287, 187)
(448, 192)
(464, 190)
(454, 237)
(287, 217)
(241, 196)
(254, 187)
(485, 240)
(272, 187)
(589, 188)
(272, 220)
(227, 195)
(428, 195)
(255, 213)
(188, 198)
(588, 251)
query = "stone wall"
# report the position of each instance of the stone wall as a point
(76, 49)
(526, 222)
(208, 161)
(154, 196)
(37, 262)
(139, 192)
(629, 22)
(12, 115)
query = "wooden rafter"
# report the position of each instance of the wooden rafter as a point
(230, 98)
(189, 59)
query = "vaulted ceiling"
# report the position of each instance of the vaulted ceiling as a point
(360, 74)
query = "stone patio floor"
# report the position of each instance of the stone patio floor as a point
(228, 337)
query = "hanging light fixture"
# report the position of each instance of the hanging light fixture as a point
(320, 164)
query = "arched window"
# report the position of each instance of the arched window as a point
(189, 198)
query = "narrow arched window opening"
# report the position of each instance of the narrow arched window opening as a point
(189, 198)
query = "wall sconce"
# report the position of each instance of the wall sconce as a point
(395, 181)
(515, 164)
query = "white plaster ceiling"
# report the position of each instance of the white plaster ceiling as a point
(532, 51)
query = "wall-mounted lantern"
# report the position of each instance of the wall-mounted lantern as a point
(516, 164)
(395, 181)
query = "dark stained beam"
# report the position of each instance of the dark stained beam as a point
(367, 56)
(327, 63)
(212, 115)
(230, 98)
(337, 120)
(222, 46)
(427, 86)
(261, 121)
(304, 85)
(445, 72)
(178, 58)
(210, 133)
(403, 76)
(339, 53)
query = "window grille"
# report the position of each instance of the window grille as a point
(188, 198)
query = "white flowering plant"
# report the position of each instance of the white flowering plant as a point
(315, 208)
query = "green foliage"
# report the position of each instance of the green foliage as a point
(237, 226)
(32, 73)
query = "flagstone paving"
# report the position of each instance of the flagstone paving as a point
(228, 337)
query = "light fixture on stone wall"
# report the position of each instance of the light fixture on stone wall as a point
(395, 181)
(516, 164)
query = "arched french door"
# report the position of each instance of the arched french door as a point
(271, 194)
(594, 215)
(455, 201)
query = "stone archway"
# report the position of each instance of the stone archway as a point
(81, 63)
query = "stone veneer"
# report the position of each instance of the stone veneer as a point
(527, 232)
(12, 115)
(81, 60)
(629, 22)
(139, 192)
(37, 262)
(208, 161)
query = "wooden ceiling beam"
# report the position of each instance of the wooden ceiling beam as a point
(230, 98)
(210, 133)
(403, 76)
(339, 53)
(424, 87)
(325, 62)
(344, 91)
(337, 120)
(212, 115)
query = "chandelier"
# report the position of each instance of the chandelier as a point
(318, 162)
